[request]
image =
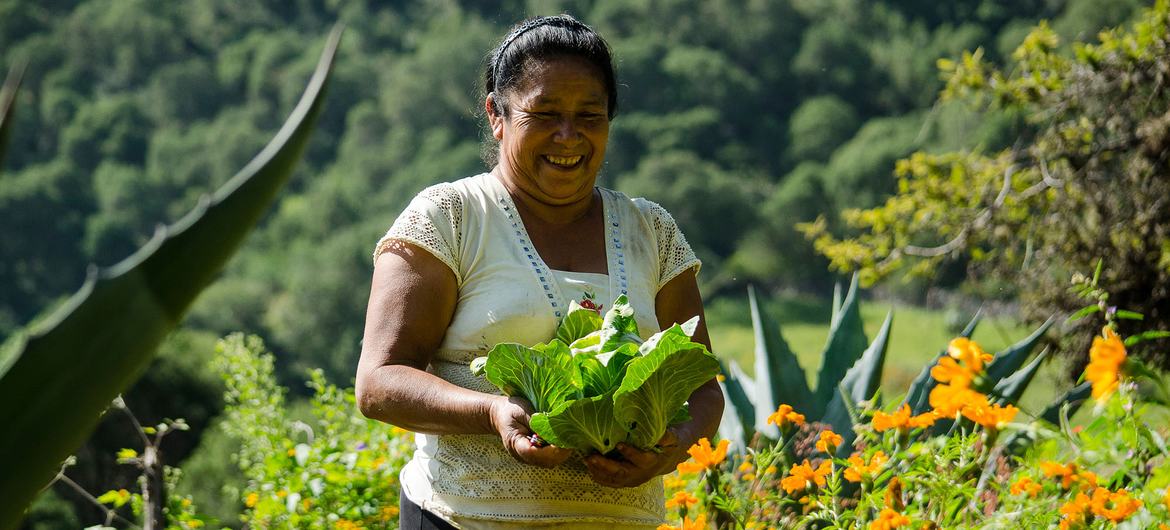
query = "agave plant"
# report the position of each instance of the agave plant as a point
(62, 372)
(851, 370)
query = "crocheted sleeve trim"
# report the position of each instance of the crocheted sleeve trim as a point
(433, 222)
(674, 253)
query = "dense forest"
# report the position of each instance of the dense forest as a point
(742, 117)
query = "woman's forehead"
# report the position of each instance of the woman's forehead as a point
(554, 79)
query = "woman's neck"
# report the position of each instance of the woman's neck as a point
(554, 214)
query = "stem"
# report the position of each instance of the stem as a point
(110, 514)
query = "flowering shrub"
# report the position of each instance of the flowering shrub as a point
(948, 468)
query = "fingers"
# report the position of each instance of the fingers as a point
(547, 456)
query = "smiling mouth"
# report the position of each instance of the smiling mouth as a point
(563, 161)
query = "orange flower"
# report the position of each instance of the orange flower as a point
(901, 419)
(251, 500)
(859, 470)
(700, 523)
(1105, 359)
(704, 457)
(784, 416)
(1075, 511)
(1025, 485)
(1115, 506)
(888, 520)
(1069, 474)
(988, 415)
(682, 500)
(829, 442)
(949, 371)
(948, 400)
(1166, 499)
(969, 353)
(801, 475)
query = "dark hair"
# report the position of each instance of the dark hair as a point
(546, 38)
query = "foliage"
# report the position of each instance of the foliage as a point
(1111, 472)
(1088, 180)
(597, 384)
(336, 470)
(97, 343)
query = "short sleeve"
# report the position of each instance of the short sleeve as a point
(674, 253)
(432, 221)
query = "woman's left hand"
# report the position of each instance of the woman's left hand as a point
(636, 467)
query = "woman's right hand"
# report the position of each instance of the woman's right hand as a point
(510, 417)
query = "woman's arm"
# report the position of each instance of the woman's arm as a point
(412, 301)
(677, 302)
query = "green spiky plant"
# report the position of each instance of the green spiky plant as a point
(61, 373)
(850, 373)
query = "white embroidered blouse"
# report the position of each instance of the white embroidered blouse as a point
(508, 294)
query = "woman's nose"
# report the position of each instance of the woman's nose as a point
(567, 131)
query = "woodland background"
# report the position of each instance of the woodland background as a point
(741, 117)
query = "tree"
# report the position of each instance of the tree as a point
(1088, 181)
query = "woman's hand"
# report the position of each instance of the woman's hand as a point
(636, 467)
(510, 416)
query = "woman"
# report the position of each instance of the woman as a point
(496, 258)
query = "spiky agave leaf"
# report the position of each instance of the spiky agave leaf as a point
(845, 345)
(860, 383)
(779, 377)
(64, 373)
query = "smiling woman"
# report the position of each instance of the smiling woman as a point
(498, 257)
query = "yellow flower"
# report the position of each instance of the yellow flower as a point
(949, 400)
(306, 503)
(700, 523)
(888, 520)
(1105, 359)
(859, 470)
(282, 494)
(673, 482)
(345, 524)
(745, 466)
(704, 457)
(388, 512)
(251, 500)
(291, 452)
(801, 475)
(829, 441)
(194, 523)
(1115, 506)
(682, 500)
(1166, 499)
(784, 417)
(1026, 485)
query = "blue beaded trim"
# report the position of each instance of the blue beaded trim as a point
(619, 254)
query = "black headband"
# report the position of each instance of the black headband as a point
(555, 20)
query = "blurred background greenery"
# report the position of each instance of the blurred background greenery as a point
(742, 117)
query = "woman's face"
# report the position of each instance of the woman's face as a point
(552, 142)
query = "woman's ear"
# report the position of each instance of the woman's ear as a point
(494, 119)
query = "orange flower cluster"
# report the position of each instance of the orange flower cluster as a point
(785, 416)
(1069, 475)
(888, 520)
(858, 470)
(1115, 506)
(700, 523)
(704, 456)
(1105, 359)
(958, 371)
(1075, 513)
(802, 475)
(829, 442)
(682, 500)
(901, 419)
(1026, 485)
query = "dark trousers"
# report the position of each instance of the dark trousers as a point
(412, 517)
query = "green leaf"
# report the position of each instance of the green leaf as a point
(1008, 361)
(1011, 388)
(1144, 336)
(545, 375)
(75, 361)
(1083, 312)
(845, 345)
(1073, 399)
(126, 454)
(860, 383)
(656, 386)
(739, 413)
(578, 322)
(918, 396)
(7, 97)
(1129, 315)
(602, 373)
(585, 424)
(619, 326)
(779, 377)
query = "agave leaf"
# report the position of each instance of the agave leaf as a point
(919, 395)
(779, 377)
(860, 383)
(1009, 389)
(1008, 361)
(1072, 400)
(7, 97)
(68, 369)
(845, 345)
(739, 414)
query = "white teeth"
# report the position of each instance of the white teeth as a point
(563, 160)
